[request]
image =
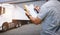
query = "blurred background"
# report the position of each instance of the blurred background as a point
(21, 2)
(28, 29)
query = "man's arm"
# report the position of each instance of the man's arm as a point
(34, 20)
(42, 15)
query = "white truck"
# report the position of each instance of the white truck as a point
(11, 16)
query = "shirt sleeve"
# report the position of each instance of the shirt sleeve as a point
(43, 12)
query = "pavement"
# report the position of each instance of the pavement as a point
(29, 29)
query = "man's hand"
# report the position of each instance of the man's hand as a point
(37, 8)
(34, 20)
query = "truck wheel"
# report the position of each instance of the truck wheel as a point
(5, 26)
(18, 25)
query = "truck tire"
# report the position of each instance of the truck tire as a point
(5, 26)
(18, 25)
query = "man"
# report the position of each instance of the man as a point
(49, 18)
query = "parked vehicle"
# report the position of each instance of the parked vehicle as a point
(11, 16)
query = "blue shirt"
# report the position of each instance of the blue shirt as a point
(50, 16)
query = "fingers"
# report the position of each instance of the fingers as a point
(37, 8)
(27, 13)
